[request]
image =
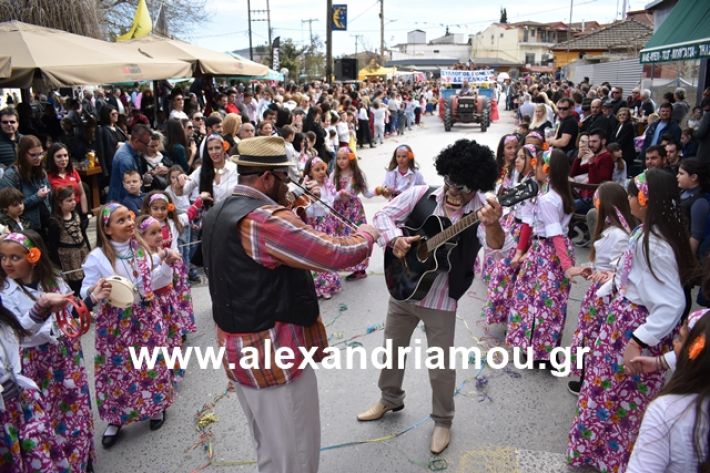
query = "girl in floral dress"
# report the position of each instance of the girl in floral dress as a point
(538, 312)
(402, 173)
(641, 318)
(27, 438)
(158, 205)
(51, 359)
(498, 274)
(505, 159)
(150, 231)
(319, 217)
(127, 394)
(350, 181)
(611, 238)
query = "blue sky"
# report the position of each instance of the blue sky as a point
(228, 27)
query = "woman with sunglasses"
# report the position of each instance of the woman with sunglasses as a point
(28, 176)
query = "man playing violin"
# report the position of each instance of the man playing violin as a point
(468, 169)
(258, 256)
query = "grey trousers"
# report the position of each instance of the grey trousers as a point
(402, 319)
(285, 424)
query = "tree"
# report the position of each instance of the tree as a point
(75, 16)
(503, 16)
(181, 15)
(103, 19)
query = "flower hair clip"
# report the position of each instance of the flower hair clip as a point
(34, 254)
(546, 156)
(697, 347)
(642, 186)
(171, 207)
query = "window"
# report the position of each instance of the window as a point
(492, 36)
(525, 36)
(501, 35)
(529, 58)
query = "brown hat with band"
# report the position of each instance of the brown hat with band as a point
(262, 151)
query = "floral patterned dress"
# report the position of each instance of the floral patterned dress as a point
(612, 402)
(349, 205)
(124, 393)
(319, 217)
(57, 366)
(539, 309)
(609, 249)
(27, 438)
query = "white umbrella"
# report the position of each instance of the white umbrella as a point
(67, 59)
(503, 76)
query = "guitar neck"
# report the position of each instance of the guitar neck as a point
(444, 236)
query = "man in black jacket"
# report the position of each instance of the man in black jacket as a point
(9, 137)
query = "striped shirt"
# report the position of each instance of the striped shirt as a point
(272, 236)
(396, 212)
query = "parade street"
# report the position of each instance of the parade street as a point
(506, 420)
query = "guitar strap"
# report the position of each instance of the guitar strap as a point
(463, 256)
(424, 208)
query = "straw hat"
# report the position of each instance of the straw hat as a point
(262, 151)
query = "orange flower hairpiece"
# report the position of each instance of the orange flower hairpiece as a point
(351, 156)
(546, 168)
(225, 146)
(533, 163)
(171, 207)
(132, 214)
(643, 200)
(33, 255)
(697, 347)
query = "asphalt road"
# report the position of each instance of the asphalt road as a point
(506, 420)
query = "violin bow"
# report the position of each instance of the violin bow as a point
(337, 214)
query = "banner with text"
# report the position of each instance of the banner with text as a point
(454, 76)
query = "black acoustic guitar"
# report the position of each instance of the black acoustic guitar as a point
(411, 277)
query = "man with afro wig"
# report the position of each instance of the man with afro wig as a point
(469, 170)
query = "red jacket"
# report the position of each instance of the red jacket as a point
(600, 169)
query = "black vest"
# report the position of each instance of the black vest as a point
(462, 257)
(246, 296)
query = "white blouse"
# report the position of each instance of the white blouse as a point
(224, 189)
(663, 297)
(19, 303)
(327, 195)
(399, 183)
(666, 441)
(10, 362)
(98, 266)
(550, 219)
(610, 246)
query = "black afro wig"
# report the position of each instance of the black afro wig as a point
(468, 163)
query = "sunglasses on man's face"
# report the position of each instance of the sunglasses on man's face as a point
(8, 122)
(562, 109)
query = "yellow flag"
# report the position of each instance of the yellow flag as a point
(142, 25)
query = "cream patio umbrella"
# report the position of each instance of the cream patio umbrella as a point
(204, 61)
(62, 58)
(5, 67)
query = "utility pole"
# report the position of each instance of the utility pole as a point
(382, 32)
(268, 26)
(329, 43)
(251, 49)
(267, 19)
(357, 38)
(309, 50)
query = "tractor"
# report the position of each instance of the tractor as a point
(475, 108)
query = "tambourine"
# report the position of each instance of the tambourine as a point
(71, 326)
(123, 294)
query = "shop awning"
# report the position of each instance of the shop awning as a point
(685, 35)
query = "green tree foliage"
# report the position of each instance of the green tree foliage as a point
(503, 16)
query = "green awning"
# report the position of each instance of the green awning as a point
(684, 36)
